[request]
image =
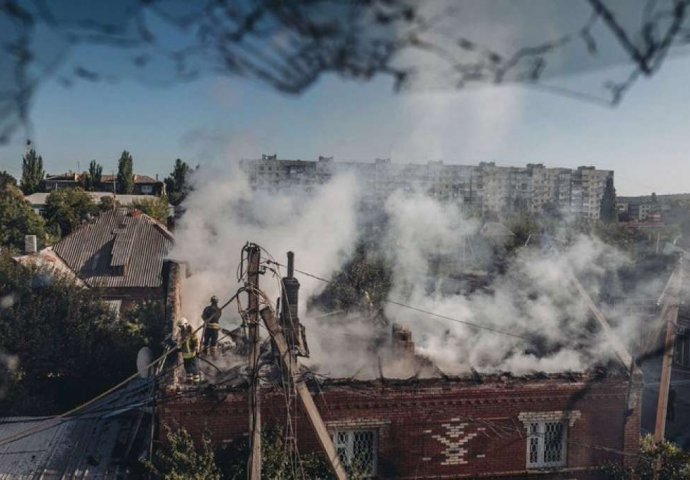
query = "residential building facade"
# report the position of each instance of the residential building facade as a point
(483, 188)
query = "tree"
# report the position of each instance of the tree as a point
(673, 463)
(32, 171)
(607, 212)
(18, 219)
(157, 208)
(6, 179)
(179, 459)
(125, 173)
(108, 202)
(69, 345)
(177, 184)
(67, 209)
(277, 462)
(93, 177)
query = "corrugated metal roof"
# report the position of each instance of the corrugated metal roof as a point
(88, 446)
(133, 241)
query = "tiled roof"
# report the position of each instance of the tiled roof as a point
(118, 249)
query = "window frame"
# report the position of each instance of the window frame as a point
(350, 432)
(540, 437)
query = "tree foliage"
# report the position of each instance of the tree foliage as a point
(278, 459)
(6, 179)
(93, 177)
(607, 212)
(157, 208)
(68, 345)
(18, 219)
(32, 171)
(125, 173)
(177, 183)
(67, 209)
(363, 282)
(673, 463)
(179, 458)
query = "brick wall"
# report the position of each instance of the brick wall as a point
(443, 428)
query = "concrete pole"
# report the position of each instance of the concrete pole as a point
(669, 314)
(253, 262)
(291, 364)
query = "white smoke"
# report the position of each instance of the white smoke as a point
(223, 213)
(546, 325)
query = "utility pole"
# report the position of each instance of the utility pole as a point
(669, 315)
(289, 360)
(253, 262)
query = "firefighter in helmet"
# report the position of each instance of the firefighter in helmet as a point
(188, 349)
(211, 316)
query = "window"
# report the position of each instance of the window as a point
(147, 189)
(357, 451)
(546, 444)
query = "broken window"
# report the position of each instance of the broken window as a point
(546, 444)
(357, 450)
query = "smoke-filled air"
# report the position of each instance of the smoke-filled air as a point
(518, 312)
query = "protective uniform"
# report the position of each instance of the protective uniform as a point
(211, 315)
(188, 348)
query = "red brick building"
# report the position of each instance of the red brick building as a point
(555, 426)
(564, 426)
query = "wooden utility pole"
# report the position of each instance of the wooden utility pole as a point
(669, 316)
(253, 262)
(291, 364)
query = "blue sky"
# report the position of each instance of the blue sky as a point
(217, 120)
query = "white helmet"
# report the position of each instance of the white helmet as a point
(183, 323)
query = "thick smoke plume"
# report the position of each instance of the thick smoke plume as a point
(431, 246)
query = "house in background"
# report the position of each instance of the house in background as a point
(119, 254)
(143, 184)
(38, 200)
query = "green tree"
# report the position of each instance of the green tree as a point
(607, 211)
(18, 219)
(69, 346)
(179, 459)
(108, 202)
(277, 462)
(177, 184)
(67, 209)
(125, 173)
(93, 177)
(6, 179)
(157, 208)
(32, 171)
(670, 460)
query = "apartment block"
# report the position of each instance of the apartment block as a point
(483, 188)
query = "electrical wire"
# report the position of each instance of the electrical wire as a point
(426, 312)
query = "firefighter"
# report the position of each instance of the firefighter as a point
(211, 316)
(188, 349)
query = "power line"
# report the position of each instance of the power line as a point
(421, 310)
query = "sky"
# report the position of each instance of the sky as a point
(217, 120)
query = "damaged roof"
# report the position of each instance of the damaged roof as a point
(118, 249)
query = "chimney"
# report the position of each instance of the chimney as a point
(30, 244)
(289, 307)
(401, 339)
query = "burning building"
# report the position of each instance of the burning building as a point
(420, 424)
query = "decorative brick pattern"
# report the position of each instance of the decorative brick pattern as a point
(553, 416)
(455, 440)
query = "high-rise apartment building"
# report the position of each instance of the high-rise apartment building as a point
(483, 188)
